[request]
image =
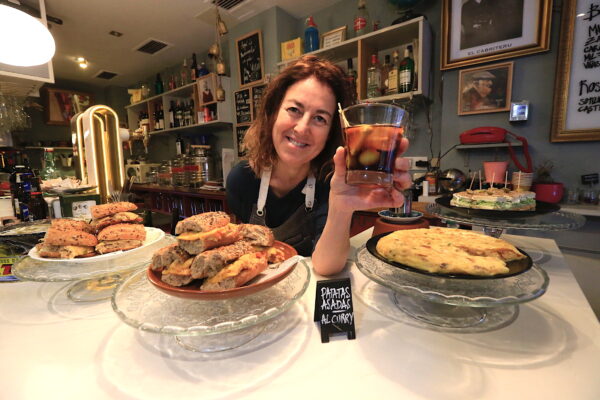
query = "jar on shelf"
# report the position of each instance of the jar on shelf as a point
(165, 177)
(178, 171)
(193, 172)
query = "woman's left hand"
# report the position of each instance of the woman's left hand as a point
(352, 198)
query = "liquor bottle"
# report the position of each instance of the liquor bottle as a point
(352, 77)
(191, 112)
(202, 70)
(194, 68)
(49, 171)
(392, 80)
(185, 73)
(361, 19)
(373, 78)
(179, 114)
(158, 85)
(161, 118)
(311, 36)
(406, 72)
(179, 145)
(172, 115)
(385, 71)
(186, 114)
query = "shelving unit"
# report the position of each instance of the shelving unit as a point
(485, 146)
(384, 41)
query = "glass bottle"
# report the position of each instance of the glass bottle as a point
(185, 73)
(392, 80)
(158, 85)
(385, 71)
(194, 68)
(49, 171)
(406, 72)
(373, 78)
(352, 77)
(311, 36)
(202, 70)
(361, 19)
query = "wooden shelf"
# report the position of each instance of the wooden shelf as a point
(183, 129)
(182, 91)
(485, 146)
(48, 147)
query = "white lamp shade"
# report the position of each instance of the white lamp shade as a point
(24, 40)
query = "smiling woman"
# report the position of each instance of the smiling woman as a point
(288, 181)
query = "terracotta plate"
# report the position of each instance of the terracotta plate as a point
(273, 274)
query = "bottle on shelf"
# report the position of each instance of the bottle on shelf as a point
(406, 72)
(191, 112)
(311, 36)
(185, 73)
(49, 171)
(178, 114)
(392, 79)
(20, 191)
(171, 114)
(194, 68)
(385, 71)
(352, 77)
(161, 118)
(373, 78)
(158, 85)
(179, 145)
(361, 19)
(202, 70)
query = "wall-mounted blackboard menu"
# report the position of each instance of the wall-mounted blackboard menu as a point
(333, 308)
(240, 131)
(243, 106)
(257, 95)
(250, 58)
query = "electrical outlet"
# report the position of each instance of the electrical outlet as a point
(413, 163)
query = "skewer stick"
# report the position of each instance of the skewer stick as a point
(506, 179)
(519, 181)
(493, 179)
(344, 120)
(472, 179)
(480, 187)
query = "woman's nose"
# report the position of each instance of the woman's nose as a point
(302, 124)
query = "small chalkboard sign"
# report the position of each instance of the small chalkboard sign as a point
(243, 112)
(240, 131)
(589, 179)
(250, 58)
(333, 308)
(257, 95)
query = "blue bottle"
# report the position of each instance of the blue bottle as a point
(311, 36)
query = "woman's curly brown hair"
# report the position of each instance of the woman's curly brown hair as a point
(258, 141)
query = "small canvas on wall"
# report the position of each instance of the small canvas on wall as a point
(485, 89)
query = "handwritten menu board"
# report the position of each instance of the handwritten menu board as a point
(250, 58)
(243, 111)
(240, 131)
(576, 114)
(257, 95)
(333, 308)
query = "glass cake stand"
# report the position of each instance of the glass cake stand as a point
(206, 326)
(94, 279)
(470, 305)
(494, 226)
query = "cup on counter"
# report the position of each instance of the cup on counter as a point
(495, 171)
(372, 132)
(521, 181)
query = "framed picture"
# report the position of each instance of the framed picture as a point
(250, 58)
(257, 95)
(485, 89)
(206, 86)
(331, 38)
(61, 105)
(243, 106)
(475, 32)
(576, 113)
(291, 49)
(240, 132)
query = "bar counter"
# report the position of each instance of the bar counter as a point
(54, 348)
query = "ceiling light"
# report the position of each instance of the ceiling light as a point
(115, 33)
(80, 59)
(24, 40)
(82, 62)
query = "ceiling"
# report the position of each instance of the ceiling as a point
(186, 25)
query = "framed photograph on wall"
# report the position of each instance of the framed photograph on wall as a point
(485, 89)
(333, 37)
(61, 105)
(576, 113)
(206, 86)
(250, 60)
(479, 31)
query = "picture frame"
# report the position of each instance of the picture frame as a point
(511, 28)
(257, 93)
(206, 86)
(576, 108)
(240, 132)
(485, 89)
(60, 105)
(242, 100)
(291, 49)
(333, 37)
(250, 61)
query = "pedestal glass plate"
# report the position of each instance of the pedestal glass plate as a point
(96, 277)
(453, 303)
(206, 326)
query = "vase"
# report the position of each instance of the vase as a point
(548, 192)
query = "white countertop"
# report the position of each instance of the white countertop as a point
(583, 209)
(54, 348)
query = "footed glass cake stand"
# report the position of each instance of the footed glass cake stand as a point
(206, 326)
(454, 304)
(93, 279)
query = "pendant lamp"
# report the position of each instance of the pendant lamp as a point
(24, 40)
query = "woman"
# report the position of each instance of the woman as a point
(284, 183)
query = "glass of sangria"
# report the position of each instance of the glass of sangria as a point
(372, 133)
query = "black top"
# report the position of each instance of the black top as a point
(242, 193)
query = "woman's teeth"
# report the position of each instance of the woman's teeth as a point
(292, 141)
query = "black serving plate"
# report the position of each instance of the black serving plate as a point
(540, 208)
(24, 233)
(515, 267)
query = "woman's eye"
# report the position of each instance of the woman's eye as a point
(320, 120)
(293, 110)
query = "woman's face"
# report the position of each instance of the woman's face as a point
(303, 122)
